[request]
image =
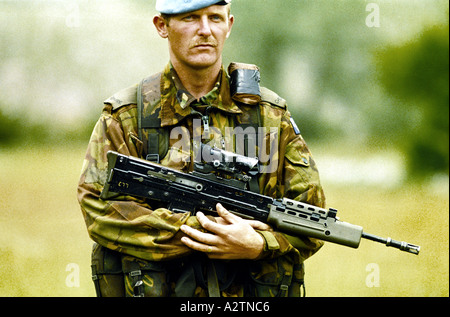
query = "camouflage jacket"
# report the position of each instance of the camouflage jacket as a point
(148, 231)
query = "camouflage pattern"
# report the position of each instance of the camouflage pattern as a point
(147, 231)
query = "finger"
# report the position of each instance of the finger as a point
(202, 237)
(197, 246)
(208, 224)
(225, 214)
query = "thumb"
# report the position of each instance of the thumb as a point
(258, 225)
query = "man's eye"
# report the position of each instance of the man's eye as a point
(216, 18)
(188, 18)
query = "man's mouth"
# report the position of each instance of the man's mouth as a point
(204, 46)
(211, 44)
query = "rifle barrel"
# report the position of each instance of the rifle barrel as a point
(401, 245)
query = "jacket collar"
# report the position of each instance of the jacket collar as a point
(176, 101)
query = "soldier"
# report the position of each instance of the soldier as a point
(143, 249)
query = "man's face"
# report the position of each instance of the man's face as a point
(196, 39)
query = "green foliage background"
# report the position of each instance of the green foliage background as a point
(382, 87)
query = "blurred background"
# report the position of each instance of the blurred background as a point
(367, 83)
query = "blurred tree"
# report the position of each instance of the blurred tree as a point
(313, 53)
(418, 74)
(9, 129)
(19, 129)
(318, 54)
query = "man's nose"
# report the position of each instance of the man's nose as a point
(204, 27)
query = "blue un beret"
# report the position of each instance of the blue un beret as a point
(184, 6)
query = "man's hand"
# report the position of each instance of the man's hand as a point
(231, 238)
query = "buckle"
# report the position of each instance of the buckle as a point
(154, 158)
(95, 277)
(135, 273)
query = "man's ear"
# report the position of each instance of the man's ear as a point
(230, 24)
(161, 26)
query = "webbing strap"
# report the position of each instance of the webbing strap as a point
(213, 282)
(154, 137)
(153, 147)
(248, 138)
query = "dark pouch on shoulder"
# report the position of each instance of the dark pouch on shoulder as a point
(244, 83)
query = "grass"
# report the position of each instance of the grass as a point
(42, 230)
(412, 214)
(44, 242)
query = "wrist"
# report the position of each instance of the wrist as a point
(260, 246)
(269, 246)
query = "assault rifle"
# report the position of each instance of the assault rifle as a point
(208, 185)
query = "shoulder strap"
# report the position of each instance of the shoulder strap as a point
(273, 98)
(252, 118)
(247, 135)
(154, 137)
(122, 98)
(248, 122)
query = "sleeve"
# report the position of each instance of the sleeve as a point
(128, 225)
(296, 177)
